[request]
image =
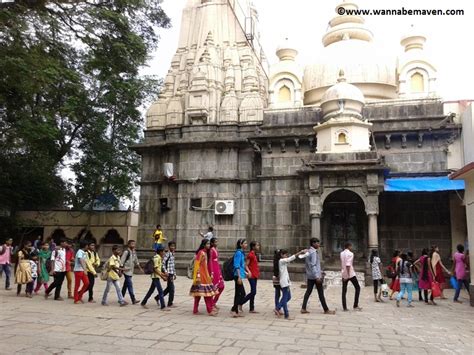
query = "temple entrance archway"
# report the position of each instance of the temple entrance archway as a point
(344, 219)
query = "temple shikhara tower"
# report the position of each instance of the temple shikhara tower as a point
(356, 146)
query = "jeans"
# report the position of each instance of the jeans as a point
(406, 287)
(169, 290)
(91, 278)
(239, 295)
(155, 284)
(251, 296)
(459, 286)
(7, 269)
(30, 286)
(309, 289)
(57, 284)
(277, 294)
(285, 298)
(354, 282)
(80, 276)
(116, 284)
(128, 285)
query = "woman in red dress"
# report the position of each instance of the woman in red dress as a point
(395, 284)
(438, 268)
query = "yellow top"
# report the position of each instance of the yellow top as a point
(92, 262)
(156, 267)
(159, 236)
(113, 261)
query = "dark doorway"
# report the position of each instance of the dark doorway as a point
(344, 220)
(112, 237)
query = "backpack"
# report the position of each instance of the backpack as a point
(228, 269)
(149, 267)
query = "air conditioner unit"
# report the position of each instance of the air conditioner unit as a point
(224, 207)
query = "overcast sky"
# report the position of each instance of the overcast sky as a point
(449, 38)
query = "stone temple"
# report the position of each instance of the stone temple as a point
(355, 147)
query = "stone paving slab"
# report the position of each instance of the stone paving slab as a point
(39, 326)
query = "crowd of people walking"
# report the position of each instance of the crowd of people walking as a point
(39, 264)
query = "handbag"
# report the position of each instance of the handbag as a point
(454, 282)
(435, 289)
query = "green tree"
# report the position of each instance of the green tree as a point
(70, 90)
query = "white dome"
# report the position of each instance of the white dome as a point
(363, 65)
(343, 91)
(349, 45)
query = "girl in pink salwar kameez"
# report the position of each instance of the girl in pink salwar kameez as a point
(215, 271)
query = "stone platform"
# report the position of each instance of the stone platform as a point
(37, 326)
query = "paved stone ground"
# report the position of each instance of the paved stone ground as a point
(38, 326)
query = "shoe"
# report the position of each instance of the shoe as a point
(345, 310)
(29, 295)
(240, 309)
(164, 309)
(277, 313)
(304, 311)
(398, 303)
(59, 299)
(290, 318)
(240, 315)
(233, 314)
(78, 302)
(212, 314)
(136, 301)
(46, 295)
(358, 309)
(410, 305)
(92, 301)
(330, 312)
(457, 301)
(8, 288)
(123, 304)
(104, 304)
(144, 306)
(174, 306)
(254, 312)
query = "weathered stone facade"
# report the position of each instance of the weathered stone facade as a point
(279, 184)
(233, 132)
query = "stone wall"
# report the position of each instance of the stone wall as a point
(413, 221)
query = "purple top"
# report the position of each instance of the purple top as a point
(460, 268)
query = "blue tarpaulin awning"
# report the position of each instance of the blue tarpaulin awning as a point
(423, 184)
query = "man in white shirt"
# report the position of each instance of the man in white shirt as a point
(209, 235)
(58, 258)
(348, 274)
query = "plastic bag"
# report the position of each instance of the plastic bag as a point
(435, 289)
(454, 282)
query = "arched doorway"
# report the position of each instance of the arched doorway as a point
(344, 220)
(112, 237)
(86, 234)
(58, 235)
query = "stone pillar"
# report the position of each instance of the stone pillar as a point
(373, 232)
(316, 225)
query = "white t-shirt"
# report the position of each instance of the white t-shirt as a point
(80, 254)
(347, 259)
(283, 268)
(59, 257)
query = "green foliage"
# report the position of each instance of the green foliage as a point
(70, 91)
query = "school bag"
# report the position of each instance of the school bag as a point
(104, 274)
(149, 267)
(228, 269)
